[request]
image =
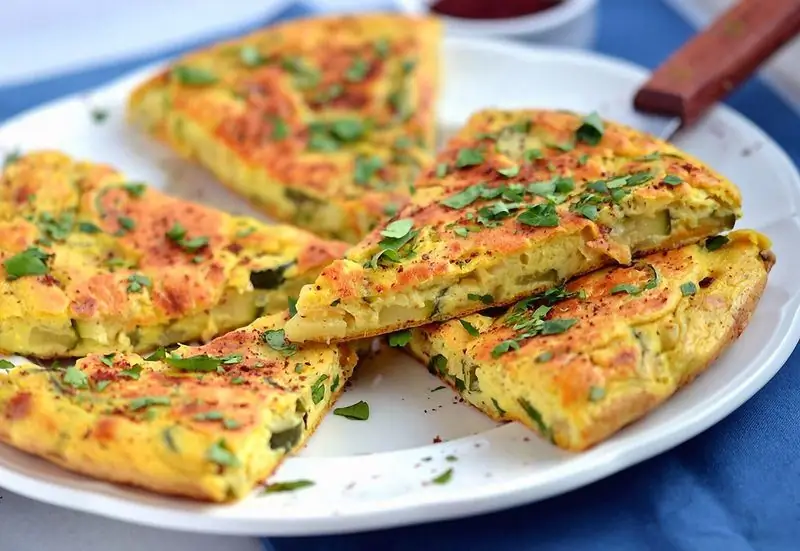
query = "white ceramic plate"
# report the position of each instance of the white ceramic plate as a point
(376, 473)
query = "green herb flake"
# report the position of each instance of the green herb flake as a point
(357, 412)
(688, 289)
(591, 129)
(461, 231)
(504, 347)
(587, 211)
(250, 56)
(11, 157)
(583, 159)
(237, 381)
(292, 306)
(535, 416)
(443, 478)
(625, 288)
(318, 389)
(98, 114)
(500, 410)
(672, 180)
(193, 76)
(220, 454)
(544, 357)
(212, 415)
(231, 424)
(231, 359)
(451, 458)
(716, 242)
(556, 326)
(335, 383)
(108, 359)
(531, 154)
(88, 227)
(75, 378)
(280, 130)
(6, 365)
(509, 171)
(136, 282)
(539, 215)
(289, 486)
(276, 339)
(398, 229)
(157, 355)
(438, 365)
(135, 189)
(31, 261)
(148, 401)
(101, 385)
(357, 71)
(464, 198)
(348, 130)
(441, 170)
(132, 373)
(438, 388)
(596, 393)
(201, 363)
(486, 299)
(400, 338)
(382, 48)
(468, 157)
(365, 169)
(469, 328)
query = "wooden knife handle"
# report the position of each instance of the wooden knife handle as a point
(719, 58)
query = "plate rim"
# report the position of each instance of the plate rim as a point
(483, 499)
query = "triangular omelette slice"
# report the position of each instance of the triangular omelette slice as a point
(207, 422)
(322, 122)
(93, 262)
(577, 364)
(518, 202)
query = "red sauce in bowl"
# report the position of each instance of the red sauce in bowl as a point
(491, 9)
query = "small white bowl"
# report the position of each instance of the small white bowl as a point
(572, 23)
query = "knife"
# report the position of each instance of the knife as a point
(712, 64)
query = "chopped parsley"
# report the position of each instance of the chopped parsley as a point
(280, 130)
(108, 359)
(75, 378)
(544, 357)
(318, 389)
(441, 170)
(500, 410)
(357, 71)
(438, 365)
(509, 171)
(98, 114)
(468, 157)
(672, 180)
(88, 227)
(688, 289)
(396, 235)
(289, 486)
(486, 299)
(540, 215)
(292, 306)
(250, 56)
(536, 417)
(335, 383)
(148, 401)
(134, 189)
(276, 339)
(400, 338)
(469, 328)
(136, 282)
(158, 354)
(716, 242)
(591, 129)
(634, 290)
(305, 76)
(390, 209)
(231, 359)
(382, 47)
(31, 261)
(202, 363)
(438, 388)
(505, 346)
(177, 234)
(531, 154)
(357, 412)
(443, 478)
(132, 373)
(366, 168)
(596, 393)
(6, 365)
(193, 76)
(11, 158)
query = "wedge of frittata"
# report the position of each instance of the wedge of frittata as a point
(93, 262)
(578, 363)
(208, 422)
(321, 122)
(518, 202)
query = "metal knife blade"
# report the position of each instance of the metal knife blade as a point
(710, 65)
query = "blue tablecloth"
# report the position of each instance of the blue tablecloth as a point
(734, 487)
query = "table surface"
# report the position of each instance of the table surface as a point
(625, 31)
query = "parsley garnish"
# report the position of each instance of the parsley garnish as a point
(469, 328)
(280, 130)
(108, 359)
(503, 347)
(400, 338)
(147, 401)
(318, 389)
(193, 76)
(486, 299)
(75, 378)
(672, 180)
(396, 235)
(468, 157)
(31, 261)
(202, 363)
(358, 411)
(292, 306)
(158, 354)
(250, 56)
(382, 47)
(132, 373)
(134, 189)
(438, 364)
(357, 71)
(366, 168)
(88, 227)
(6, 365)
(544, 357)
(177, 234)
(509, 171)
(290, 486)
(591, 129)
(221, 455)
(541, 215)
(596, 393)
(535, 416)
(441, 170)
(443, 478)
(136, 282)
(276, 339)
(633, 290)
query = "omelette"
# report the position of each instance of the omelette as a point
(516, 203)
(577, 363)
(207, 422)
(94, 262)
(322, 122)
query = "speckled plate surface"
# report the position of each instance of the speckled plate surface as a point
(378, 473)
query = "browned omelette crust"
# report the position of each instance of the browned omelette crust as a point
(205, 435)
(100, 230)
(321, 122)
(626, 195)
(623, 355)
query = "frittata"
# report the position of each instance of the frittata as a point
(321, 122)
(518, 202)
(94, 262)
(208, 422)
(577, 363)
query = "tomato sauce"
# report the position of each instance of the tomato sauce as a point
(487, 9)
